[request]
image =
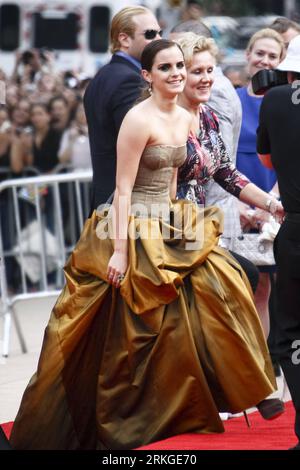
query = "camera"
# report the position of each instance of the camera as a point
(70, 81)
(28, 130)
(265, 79)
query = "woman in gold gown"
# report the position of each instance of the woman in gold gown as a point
(127, 360)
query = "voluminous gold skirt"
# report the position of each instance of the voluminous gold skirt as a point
(179, 342)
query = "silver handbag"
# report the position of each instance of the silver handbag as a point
(259, 252)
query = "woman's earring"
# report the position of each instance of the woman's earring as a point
(150, 88)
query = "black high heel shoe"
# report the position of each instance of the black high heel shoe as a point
(270, 408)
(246, 418)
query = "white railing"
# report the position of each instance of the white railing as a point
(41, 218)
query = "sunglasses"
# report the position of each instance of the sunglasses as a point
(151, 33)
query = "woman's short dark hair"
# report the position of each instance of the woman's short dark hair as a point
(282, 24)
(58, 98)
(192, 26)
(152, 49)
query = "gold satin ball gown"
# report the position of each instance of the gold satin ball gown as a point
(179, 342)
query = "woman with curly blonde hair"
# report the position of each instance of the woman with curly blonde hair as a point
(207, 156)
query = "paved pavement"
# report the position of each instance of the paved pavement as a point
(16, 370)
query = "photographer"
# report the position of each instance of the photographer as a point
(38, 145)
(74, 146)
(278, 148)
(29, 65)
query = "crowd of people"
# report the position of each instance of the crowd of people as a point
(43, 130)
(42, 123)
(152, 304)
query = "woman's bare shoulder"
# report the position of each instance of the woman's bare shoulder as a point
(184, 114)
(138, 111)
(135, 123)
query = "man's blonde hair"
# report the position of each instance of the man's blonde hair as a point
(123, 22)
(266, 33)
(191, 44)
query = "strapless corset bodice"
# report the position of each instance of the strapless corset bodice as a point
(155, 173)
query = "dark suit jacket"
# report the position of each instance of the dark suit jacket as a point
(109, 95)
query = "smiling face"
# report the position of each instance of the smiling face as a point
(168, 73)
(40, 117)
(264, 54)
(200, 78)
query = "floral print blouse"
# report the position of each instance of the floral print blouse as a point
(207, 158)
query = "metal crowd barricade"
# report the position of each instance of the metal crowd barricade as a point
(33, 241)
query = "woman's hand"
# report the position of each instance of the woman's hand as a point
(117, 267)
(259, 218)
(277, 211)
(26, 140)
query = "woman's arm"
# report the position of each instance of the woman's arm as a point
(21, 152)
(66, 146)
(260, 216)
(16, 156)
(4, 142)
(275, 191)
(132, 140)
(236, 183)
(254, 196)
(224, 171)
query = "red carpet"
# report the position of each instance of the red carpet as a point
(262, 435)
